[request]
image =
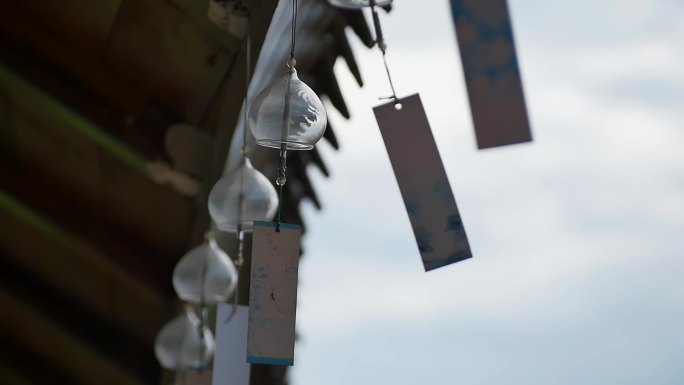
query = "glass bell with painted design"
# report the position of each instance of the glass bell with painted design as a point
(287, 114)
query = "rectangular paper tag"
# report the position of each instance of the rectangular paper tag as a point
(492, 76)
(423, 183)
(273, 294)
(230, 367)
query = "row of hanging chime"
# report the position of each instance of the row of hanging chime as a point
(286, 115)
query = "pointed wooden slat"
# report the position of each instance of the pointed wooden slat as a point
(299, 172)
(326, 81)
(318, 161)
(343, 49)
(329, 135)
(357, 21)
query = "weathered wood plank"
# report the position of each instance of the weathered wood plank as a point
(10, 377)
(125, 248)
(79, 269)
(82, 24)
(170, 56)
(17, 28)
(36, 333)
(128, 53)
(100, 170)
(109, 339)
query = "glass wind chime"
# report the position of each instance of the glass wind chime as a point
(287, 115)
(242, 195)
(206, 275)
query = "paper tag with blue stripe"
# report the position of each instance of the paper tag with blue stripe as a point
(423, 183)
(273, 294)
(492, 76)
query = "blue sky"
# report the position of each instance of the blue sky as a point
(577, 238)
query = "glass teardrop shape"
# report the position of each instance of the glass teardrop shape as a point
(287, 113)
(260, 199)
(205, 272)
(358, 3)
(182, 344)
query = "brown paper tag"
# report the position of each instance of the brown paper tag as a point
(492, 76)
(423, 182)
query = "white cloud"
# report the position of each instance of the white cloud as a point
(577, 237)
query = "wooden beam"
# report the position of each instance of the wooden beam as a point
(79, 269)
(35, 332)
(99, 171)
(90, 103)
(83, 24)
(29, 366)
(109, 339)
(43, 111)
(17, 28)
(126, 249)
(10, 377)
(152, 51)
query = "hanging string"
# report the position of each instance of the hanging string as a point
(294, 28)
(241, 246)
(248, 79)
(178, 377)
(281, 179)
(239, 263)
(380, 40)
(244, 150)
(203, 306)
(389, 77)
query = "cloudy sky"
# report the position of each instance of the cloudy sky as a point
(578, 238)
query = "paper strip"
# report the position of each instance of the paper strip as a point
(273, 294)
(490, 65)
(423, 183)
(230, 367)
